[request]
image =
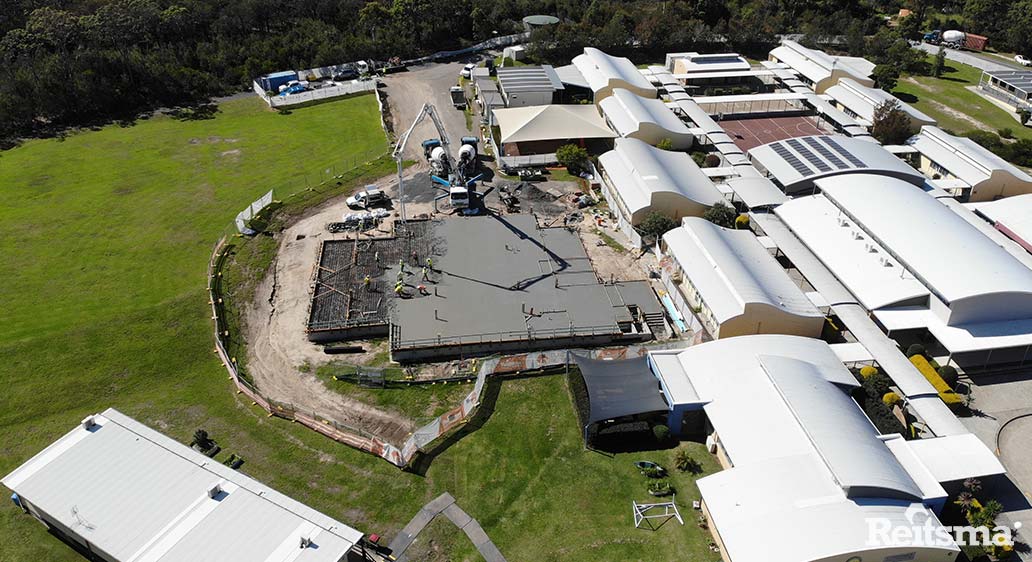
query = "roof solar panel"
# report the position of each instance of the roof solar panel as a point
(810, 157)
(845, 153)
(827, 154)
(796, 163)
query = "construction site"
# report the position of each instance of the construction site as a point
(466, 286)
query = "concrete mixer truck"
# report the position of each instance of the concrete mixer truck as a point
(468, 162)
(954, 39)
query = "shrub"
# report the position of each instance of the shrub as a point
(949, 375)
(574, 157)
(652, 472)
(711, 161)
(891, 125)
(876, 385)
(915, 349)
(661, 432)
(202, 440)
(721, 214)
(656, 224)
(867, 371)
(951, 398)
(665, 144)
(987, 139)
(685, 463)
(1006, 132)
(660, 488)
(742, 222)
(1024, 114)
(890, 399)
(699, 158)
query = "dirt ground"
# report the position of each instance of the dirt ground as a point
(407, 92)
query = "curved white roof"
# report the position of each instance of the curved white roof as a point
(1012, 216)
(795, 163)
(638, 171)
(963, 157)
(633, 115)
(817, 65)
(732, 270)
(947, 253)
(863, 100)
(601, 70)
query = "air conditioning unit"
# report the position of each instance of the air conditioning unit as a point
(88, 422)
(306, 542)
(871, 249)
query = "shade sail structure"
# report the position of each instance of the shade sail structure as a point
(619, 388)
(551, 122)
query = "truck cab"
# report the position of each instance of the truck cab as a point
(458, 197)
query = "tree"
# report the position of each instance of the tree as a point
(939, 63)
(656, 224)
(911, 26)
(949, 375)
(202, 440)
(684, 462)
(915, 349)
(721, 214)
(885, 77)
(891, 124)
(574, 157)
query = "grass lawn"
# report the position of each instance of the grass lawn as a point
(957, 108)
(105, 237)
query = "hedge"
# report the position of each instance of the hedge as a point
(945, 392)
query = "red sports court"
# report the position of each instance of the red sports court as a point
(749, 133)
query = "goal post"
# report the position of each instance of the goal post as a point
(643, 511)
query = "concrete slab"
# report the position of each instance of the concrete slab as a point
(456, 515)
(476, 533)
(439, 504)
(490, 552)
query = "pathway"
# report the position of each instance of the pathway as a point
(979, 61)
(445, 504)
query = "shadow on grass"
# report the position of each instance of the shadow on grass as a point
(906, 97)
(488, 401)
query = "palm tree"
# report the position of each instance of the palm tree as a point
(966, 501)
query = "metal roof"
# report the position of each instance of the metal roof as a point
(733, 272)
(797, 162)
(1019, 79)
(963, 157)
(756, 191)
(601, 71)
(931, 248)
(1012, 216)
(709, 62)
(528, 79)
(638, 171)
(138, 495)
(816, 65)
(863, 100)
(630, 114)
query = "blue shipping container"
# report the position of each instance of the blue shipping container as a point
(272, 82)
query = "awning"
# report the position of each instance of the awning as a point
(620, 388)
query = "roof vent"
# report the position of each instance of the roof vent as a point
(306, 542)
(214, 490)
(857, 235)
(885, 261)
(88, 422)
(870, 248)
(842, 221)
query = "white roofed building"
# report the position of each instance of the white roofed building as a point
(983, 176)
(1012, 217)
(820, 70)
(799, 453)
(918, 263)
(639, 179)
(732, 284)
(860, 101)
(603, 73)
(125, 492)
(649, 120)
(795, 164)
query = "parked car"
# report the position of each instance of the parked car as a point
(467, 71)
(345, 75)
(1022, 60)
(367, 198)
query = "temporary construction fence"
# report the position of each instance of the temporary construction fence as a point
(335, 91)
(493, 43)
(243, 217)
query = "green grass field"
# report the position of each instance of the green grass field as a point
(105, 237)
(950, 101)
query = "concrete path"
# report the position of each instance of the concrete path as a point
(445, 504)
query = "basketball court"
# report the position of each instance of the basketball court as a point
(750, 133)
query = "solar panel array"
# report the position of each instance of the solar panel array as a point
(845, 153)
(821, 154)
(808, 155)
